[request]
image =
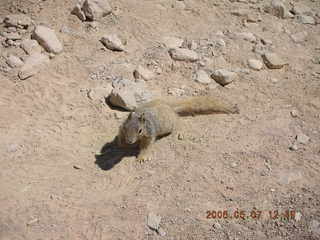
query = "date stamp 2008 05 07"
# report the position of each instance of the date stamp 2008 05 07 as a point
(253, 214)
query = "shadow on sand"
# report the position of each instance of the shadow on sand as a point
(111, 154)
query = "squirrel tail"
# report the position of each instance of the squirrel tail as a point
(199, 105)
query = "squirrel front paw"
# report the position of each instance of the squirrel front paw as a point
(143, 158)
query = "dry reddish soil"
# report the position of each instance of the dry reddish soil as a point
(54, 183)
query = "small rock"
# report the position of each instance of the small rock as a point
(279, 9)
(304, 19)
(33, 64)
(12, 35)
(248, 36)
(223, 76)
(286, 177)
(11, 29)
(17, 20)
(13, 148)
(202, 77)
(297, 216)
(33, 221)
(220, 43)
(112, 42)
(14, 61)
(161, 232)
(294, 113)
(99, 93)
(172, 42)
(183, 54)
(30, 46)
(176, 91)
(294, 147)
(78, 12)
(314, 227)
(273, 61)
(254, 18)
(255, 64)
(302, 138)
(274, 80)
(234, 164)
(299, 37)
(128, 94)
(300, 9)
(153, 221)
(143, 73)
(48, 39)
(96, 9)
(179, 5)
(78, 167)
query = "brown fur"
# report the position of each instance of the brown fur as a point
(159, 117)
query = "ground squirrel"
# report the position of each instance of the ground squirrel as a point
(159, 118)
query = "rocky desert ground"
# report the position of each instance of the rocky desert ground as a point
(253, 175)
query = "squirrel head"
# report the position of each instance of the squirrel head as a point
(134, 127)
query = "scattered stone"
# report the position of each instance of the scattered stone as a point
(48, 39)
(11, 29)
(161, 232)
(294, 113)
(220, 43)
(172, 42)
(299, 9)
(96, 9)
(273, 61)
(255, 64)
(294, 147)
(287, 177)
(176, 91)
(297, 216)
(299, 37)
(13, 147)
(314, 227)
(254, 18)
(17, 20)
(274, 80)
(99, 93)
(153, 221)
(279, 9)
(202, 77)
(30, 46)
(112, 42)
(78, 12)
(78, 167)
(304, 19)
(33, 64)
(183, 54)
(12, 35)
(33, 221)
(234, 164)
(143, 73)
(128, 94)
(223, 76)
(14, 61)
(302, 138)
(248, 36)
(240, 12)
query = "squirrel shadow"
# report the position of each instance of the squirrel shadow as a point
(111, 154)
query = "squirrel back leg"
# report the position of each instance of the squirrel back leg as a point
(145, 149)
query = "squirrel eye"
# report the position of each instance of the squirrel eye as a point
(140, 130)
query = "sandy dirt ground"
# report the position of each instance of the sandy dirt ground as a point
(54, 183)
